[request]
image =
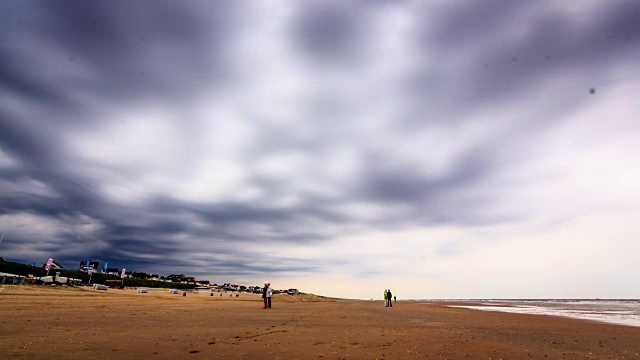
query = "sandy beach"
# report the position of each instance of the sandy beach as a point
(74, 323)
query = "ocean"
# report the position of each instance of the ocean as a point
(623, 312)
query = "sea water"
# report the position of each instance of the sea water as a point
(623, 312)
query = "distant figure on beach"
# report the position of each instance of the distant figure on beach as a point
(385, 298)
(394, 298)
(269, 293)
(389, 296)
(266, 295)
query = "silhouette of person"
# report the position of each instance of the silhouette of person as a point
(269, 293)
(264, 295)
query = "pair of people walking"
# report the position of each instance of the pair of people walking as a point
(387, 298)
(266, 295)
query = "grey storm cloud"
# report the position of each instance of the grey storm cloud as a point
(134, 49)
(495, 61)
(330, 31)
(65, 67)
(554, 42)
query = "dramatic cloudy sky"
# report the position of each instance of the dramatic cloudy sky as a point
(437, 148)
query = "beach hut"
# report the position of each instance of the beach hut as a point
(10, 279)
(68, 281)
(46, 280)
(114, 284)
(201, 289)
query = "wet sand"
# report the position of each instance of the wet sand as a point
(57, 323)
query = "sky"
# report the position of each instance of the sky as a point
(440, 149)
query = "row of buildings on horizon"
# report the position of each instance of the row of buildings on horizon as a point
(87, 266)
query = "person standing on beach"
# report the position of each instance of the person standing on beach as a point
(385, 298)
(389, 297)
(269, 293)
(264, 295)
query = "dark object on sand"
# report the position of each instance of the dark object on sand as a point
(592, 91)
(184, 293)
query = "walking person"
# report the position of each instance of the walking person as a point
(264, 295)
(385, 298)
(269, 293)
(389, 297)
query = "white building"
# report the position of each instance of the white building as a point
(10, 279)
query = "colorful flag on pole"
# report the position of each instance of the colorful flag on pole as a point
(90, 271)
(48, 264)
(122, 273)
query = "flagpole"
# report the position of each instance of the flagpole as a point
(122, 277)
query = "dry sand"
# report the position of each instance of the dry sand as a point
(65, 323)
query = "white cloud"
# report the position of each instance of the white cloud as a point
(587, 257)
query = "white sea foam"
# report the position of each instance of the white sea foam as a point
(615, 312)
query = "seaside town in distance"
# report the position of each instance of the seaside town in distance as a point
(109, 277)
